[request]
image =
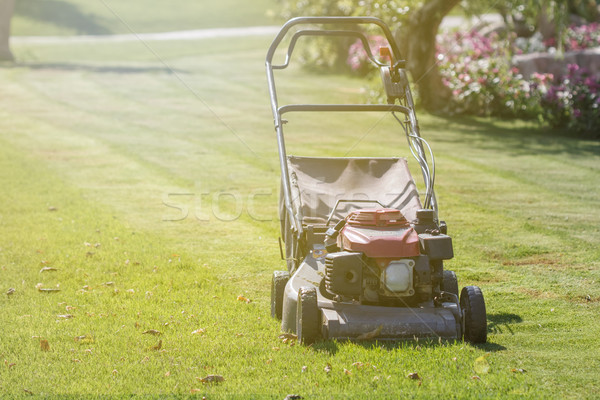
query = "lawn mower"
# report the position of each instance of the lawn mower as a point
(365, 258)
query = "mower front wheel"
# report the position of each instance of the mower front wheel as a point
(473, 306)
(308, 318)
(280, 279)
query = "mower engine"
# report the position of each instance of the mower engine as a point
(376, 257)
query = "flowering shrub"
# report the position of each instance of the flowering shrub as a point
(477, 70)
(576, 38)
(573, 102)
(579, 38)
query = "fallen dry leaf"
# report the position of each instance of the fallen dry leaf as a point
(327, 368)
(87, 244)
(69, 308)
(304, 368)
(11, 365)
(48, 269)
(52, 208)
(131, 291)
(244, 299)
(152, 332)
(28, 391)
(347, 372)
(44, 345)
(10, 291)
(157, 347)
(269, 361)
(239, 335)
(194, 391)
(293, 397)
(84, 339)
(65, 316)
(413, 375)
(108, 283)
(518, 370)
(476, 377)
(168, 373)
(114, 372)
(370, 335)
(200, 331)
(76, 360)
(358, 365)
(289, 336)
(481, 365)
(211, 379)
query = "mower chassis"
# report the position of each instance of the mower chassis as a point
(345, 320)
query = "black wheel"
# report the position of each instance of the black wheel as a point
(473, 305)
(449, 282)
(280, 279)
(308, 316)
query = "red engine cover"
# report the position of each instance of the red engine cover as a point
(383, 233)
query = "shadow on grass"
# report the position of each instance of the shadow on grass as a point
(518, 140)
(498, 323)
(61, 13)
(113, 69)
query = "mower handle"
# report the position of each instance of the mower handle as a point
(333, 20)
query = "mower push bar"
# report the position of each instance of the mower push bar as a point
(338, 33)
(333, 20)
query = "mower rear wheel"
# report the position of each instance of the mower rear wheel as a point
(450, 282)
(308, 318)
(473, 305)
(280, 279)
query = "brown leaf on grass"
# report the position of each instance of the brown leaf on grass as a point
(152, 332)
(89, 254)
(157, 347)
(87, 244)
(358, 365)
(168, 373)
(44, 345)
(293, 397)
(413, 375)
(69, 308)
(211, 379)
(289, 336)
(65, 316)
(304, 368)
(475, 377)
(40, 288)
(244, 299)
(84, 339)
(11, 365)
(347, 372)
(518, 370)
(48, 269)
(194, 391)
(29, 392)
(200, 331)
(370, 335)
(52, 208)
(327, 368)
(239, 335)
(108, 283)
(75, 360)
(10, 291)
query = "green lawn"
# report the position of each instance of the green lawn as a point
(100, 17)
(153, 193)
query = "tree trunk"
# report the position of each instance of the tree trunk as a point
(6, 10)
(419, 42)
